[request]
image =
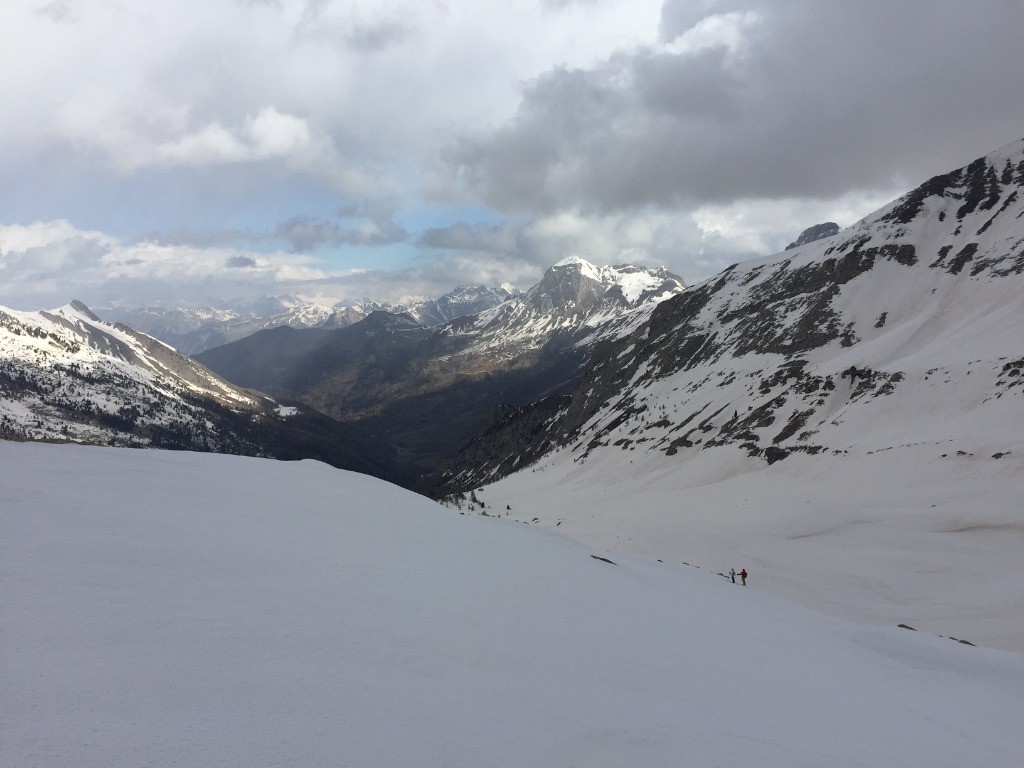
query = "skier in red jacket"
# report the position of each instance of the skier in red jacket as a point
(743, 576)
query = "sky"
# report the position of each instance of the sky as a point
(205, 152)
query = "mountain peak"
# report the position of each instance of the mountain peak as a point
(76, 307)
(576, 265)
(817, 232)
(573, 260)
(574, 285)
(989, 182)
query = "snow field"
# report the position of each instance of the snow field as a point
(900, 536)
(193, 609)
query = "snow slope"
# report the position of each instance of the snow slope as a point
(67, 375)
(184, 609)
(893, 537)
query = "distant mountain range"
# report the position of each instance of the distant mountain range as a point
(428, 390)
(65, 375)
(194, 330)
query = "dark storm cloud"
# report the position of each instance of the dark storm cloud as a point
(370, 223)
(240, 262)
(495, 239)
(818, 99)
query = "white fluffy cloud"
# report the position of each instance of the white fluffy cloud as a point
(268, 134)
(49, 263)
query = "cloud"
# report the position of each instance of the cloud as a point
(482, 238)
(205, 238)
(369, 223)
(760, 100)
(370, 38)
(268, 134)
(694, 243)
(239, 261)
(694, 133)
(58, 11)
(48, 263)
(654, 238)
(558, 5)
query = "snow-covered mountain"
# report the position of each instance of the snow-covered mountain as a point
(431, 389)
(889, 356)
(195, 330)
(178, 609)
(573, 299)
(67, 375)
(462, 301)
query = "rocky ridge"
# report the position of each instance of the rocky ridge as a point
(817, 232)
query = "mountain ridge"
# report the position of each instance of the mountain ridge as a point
(804, 306)
(66, 375)
(196, 330)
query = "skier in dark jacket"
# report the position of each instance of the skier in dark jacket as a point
(743, 576)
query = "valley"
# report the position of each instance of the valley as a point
(842, 418)
(535, 384)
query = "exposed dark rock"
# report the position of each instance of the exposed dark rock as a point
(853, 372)
(943, 252)
(965, 255)
(982, 188)
(795, 424)
(909, 206)
(817, 232)
(962, 642)
(1010, 200)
